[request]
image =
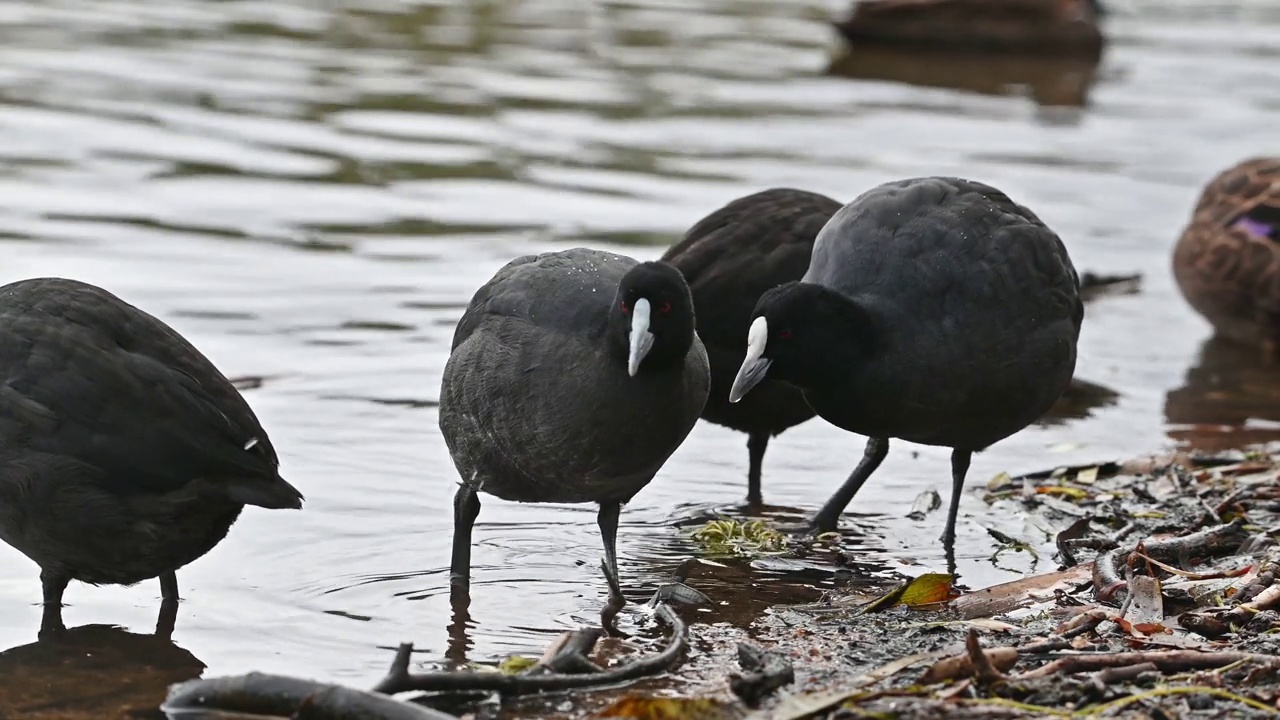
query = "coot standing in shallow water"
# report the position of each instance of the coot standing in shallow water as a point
(935, 310)
(124, 453)
(730, 258)
(573, 377)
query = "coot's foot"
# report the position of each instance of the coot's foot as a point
(615, 604)
(167, 619)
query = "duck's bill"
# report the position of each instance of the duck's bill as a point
(750, 374)
(641, 340)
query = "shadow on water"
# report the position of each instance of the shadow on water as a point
(1048, 81)
(94, 672)
(1230, 398)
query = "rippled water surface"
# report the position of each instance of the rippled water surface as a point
(311, 194)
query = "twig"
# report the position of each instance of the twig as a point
(1164, 660)
(1107, 568)
(1212, 623)
(1182, 690)
(766, 671)
(983, 669)
(399, 679)
(1101, 680)
(261, 694)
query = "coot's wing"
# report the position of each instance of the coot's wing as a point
(922, 238)
(91, 377)
(735, 254)
(569, 290)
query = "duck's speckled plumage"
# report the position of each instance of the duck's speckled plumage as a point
(1229, 270)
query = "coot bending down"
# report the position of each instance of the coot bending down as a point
(935, 310)
(124, 453)
(573, 377)
(730, 258)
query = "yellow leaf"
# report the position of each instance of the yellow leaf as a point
(1087, 476)
(999, 481)
(656, 708)
(927, 589)
(513, 664)
(1073, 493)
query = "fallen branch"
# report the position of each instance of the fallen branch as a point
(985, 665)
(399, 679)
(1108, 567)
(1214, 622)
(766, 671)
(1166, 661)
(261, 694)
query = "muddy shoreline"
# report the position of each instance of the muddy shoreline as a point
(1161, 600)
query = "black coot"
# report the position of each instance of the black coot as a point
(124, 453)
(573, 377)
(935, 310)
(730, 258)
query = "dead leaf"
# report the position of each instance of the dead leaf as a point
(1087, 476)
(795, 707)
(927, 589)
(1064, 491)
(638, 707)
(1146, 603)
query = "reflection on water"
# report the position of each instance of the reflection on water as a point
(92, 671)
(1231, 397)
(1050, 81)
(311, 192)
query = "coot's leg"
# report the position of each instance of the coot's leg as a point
(169, 586)
(53, 584)
(466, 506)
(756, 444)
(828, 517)
(608, 521)
(959, 468)
(168, 605)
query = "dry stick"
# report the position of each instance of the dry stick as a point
(262, 694)
(984, 671)
(1214, 622)
(1107, 568)
(399, 679)
(1163, 660)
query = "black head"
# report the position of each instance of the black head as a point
(652, 319)
(801, 333)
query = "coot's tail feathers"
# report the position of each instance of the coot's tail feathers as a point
(274, 494)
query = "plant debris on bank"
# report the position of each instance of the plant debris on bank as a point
(1165, 603)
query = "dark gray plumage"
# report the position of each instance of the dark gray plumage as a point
(730, 258)
(555, 391)
(124, 453)
(935, 310)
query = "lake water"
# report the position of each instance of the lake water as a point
(311, 193)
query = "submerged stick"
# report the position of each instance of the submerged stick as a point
(262, 694)
(399, 679)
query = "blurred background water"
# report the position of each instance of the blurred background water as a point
(311, 192)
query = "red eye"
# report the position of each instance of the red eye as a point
(784, 335)
(624, 306)
(666, 308)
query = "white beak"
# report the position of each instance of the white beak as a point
(754, 365)
(641, 338)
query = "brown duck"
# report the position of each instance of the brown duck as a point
(1227, 261)
(1049, 27)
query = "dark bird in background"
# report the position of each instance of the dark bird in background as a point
(730, 258)
(934, 310)
(573, 377)
(124, 453)
(1227, 261)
